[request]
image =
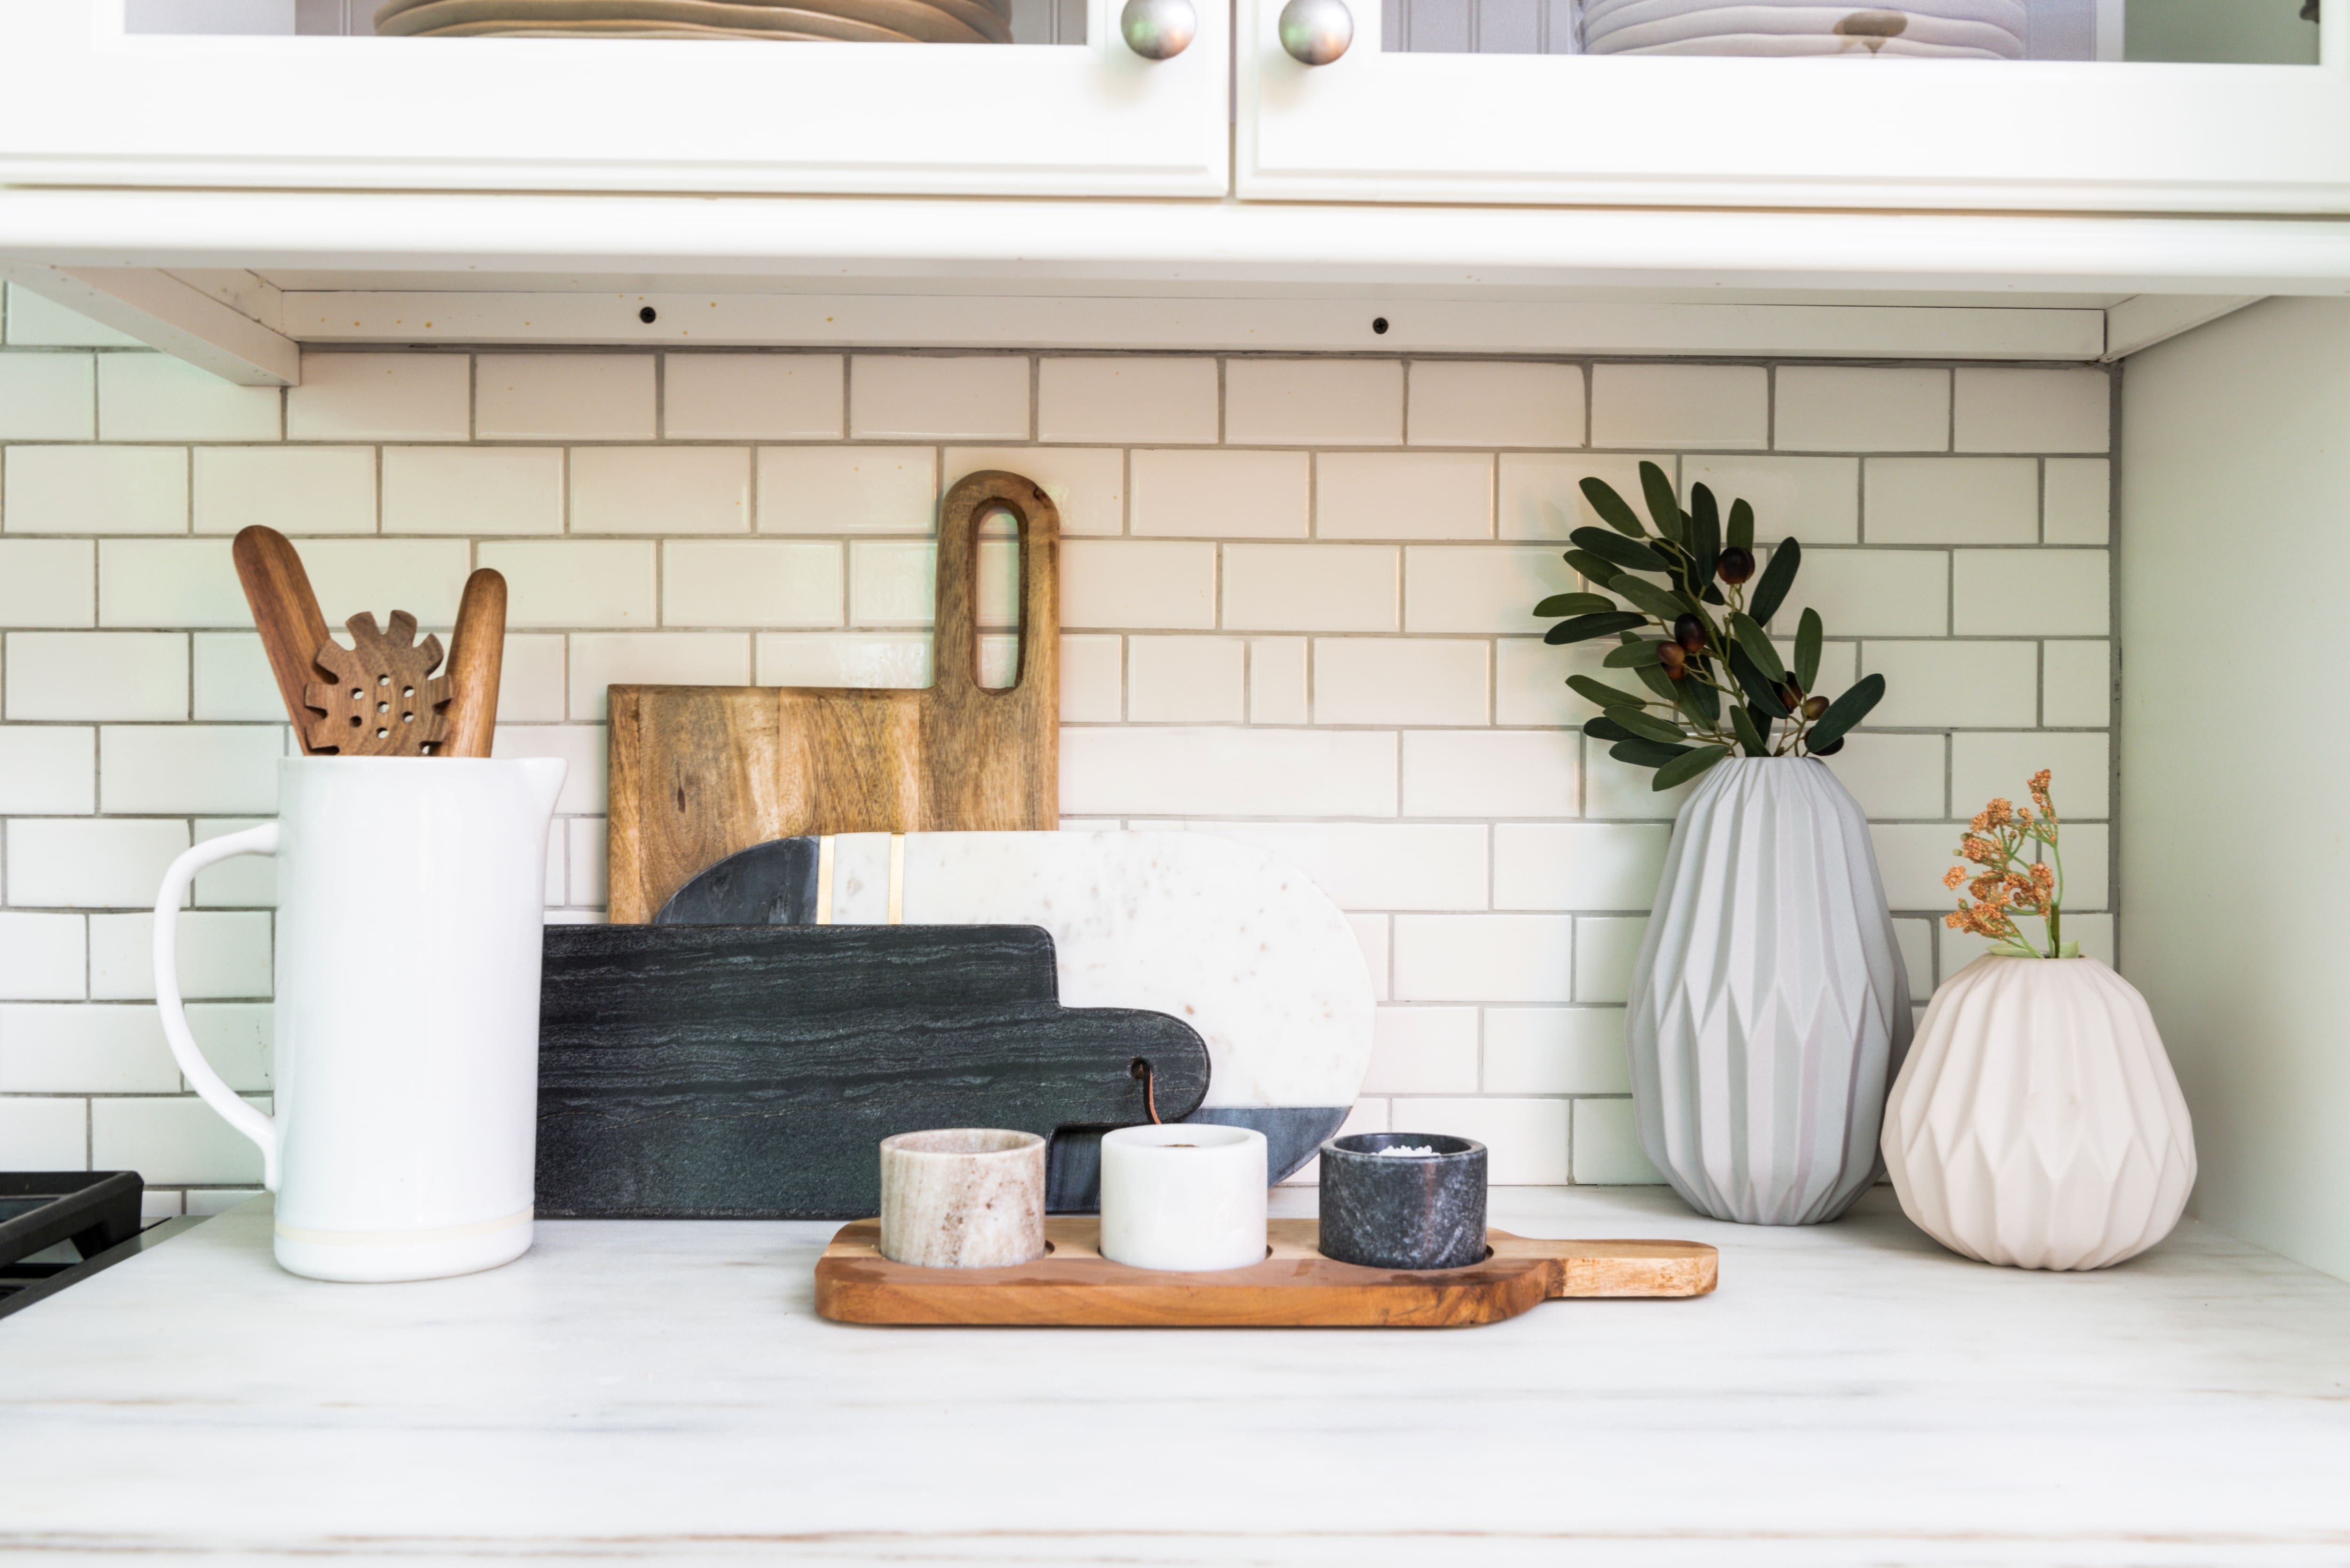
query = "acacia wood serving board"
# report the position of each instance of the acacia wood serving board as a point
(1073, 1285)
(701, 771)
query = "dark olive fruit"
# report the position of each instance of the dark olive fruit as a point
(1689, 632)
(1735, 564)
(1791, 696)
(1815, 707)
(1675, 661)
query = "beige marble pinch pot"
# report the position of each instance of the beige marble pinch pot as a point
(962, 1197)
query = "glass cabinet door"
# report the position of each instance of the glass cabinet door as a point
(707, 96)
(2177, 106)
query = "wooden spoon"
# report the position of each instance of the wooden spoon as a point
(287, 612)
(476, 657)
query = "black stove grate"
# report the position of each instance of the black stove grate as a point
(97, 1212)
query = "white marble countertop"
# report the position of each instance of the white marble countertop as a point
(1852, 1393)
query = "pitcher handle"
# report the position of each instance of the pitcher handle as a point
(261, 1129)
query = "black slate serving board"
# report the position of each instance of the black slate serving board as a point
(748, 1072)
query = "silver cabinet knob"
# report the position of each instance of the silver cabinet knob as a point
(1316, 32)
(1158, 29)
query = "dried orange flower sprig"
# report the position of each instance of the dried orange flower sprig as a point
(2007, 881)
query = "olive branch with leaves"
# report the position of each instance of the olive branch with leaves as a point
(1713, 669)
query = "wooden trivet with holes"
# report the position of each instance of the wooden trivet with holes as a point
(1073, 1285)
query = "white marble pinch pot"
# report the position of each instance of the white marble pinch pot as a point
(962, 1197)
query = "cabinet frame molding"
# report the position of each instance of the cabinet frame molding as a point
(1696, 131)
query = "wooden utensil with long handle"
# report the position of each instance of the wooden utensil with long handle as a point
(477, 657)
(285, 611)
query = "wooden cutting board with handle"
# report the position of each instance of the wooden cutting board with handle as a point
(698, 773)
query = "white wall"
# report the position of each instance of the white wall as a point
(2234, 760)
(1297, 596)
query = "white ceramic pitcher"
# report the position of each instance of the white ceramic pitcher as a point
(410, 897)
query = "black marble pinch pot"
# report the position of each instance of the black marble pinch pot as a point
(1403, 1212)
(749, 1071)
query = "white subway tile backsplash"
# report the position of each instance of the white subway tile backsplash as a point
(224, 955)
(95, 489)
(567, 583)
(1093, 679)
(472, 490)
(47, 396)
(1373, 866)
(155, 397)
(1607, 1146)
(1484, 958)
(89, 675)
(1952, 499)
(48, 583)
(660, 490)
(2032, 410)
(44, 957)
(1186, 679)
(1159, 771)
(1604, 950)
(1223, 495)
(87, 863)
(47, 770)
(1578, 864)
(37, 321)
(2031, 593)
(46, 1134)
(2076, 684)
(1966, 685)
(563, 397)
(751, 583)
(1311, 587)
(1525, 1140)
(953, 397)
(847, 490)
(1324, 650)
(296, 490)
(172, 1141)
(1540, 497)
(1815, 499)
(1462, 402)
(1086, 484)
(381, 396)
(1313, 403)
(1725, 405)
(1871, 593)
(45, 1049)
(1128, 398)
(153, 769)
(1491, 772)
(1403, 495)
(1280, 690)
(1911, 859)
(1836, 408)
(599, 659)
(1472, 588)
(1555, 1051)
(1137, 583)
(1399, 680)
(2078, 503)
(752, 396)
(1891, 775)
(2002, 763)
(1414, 1051)
(233, 680)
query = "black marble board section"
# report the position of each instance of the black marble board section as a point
(749, 1071)
(774, 884)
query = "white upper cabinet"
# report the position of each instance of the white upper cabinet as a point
(90, 102)
(2081, 105)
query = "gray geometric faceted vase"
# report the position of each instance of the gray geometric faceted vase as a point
(1769, 1009)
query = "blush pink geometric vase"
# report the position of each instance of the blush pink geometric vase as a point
(2037, 1122)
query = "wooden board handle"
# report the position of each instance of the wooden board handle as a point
(974, 498)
